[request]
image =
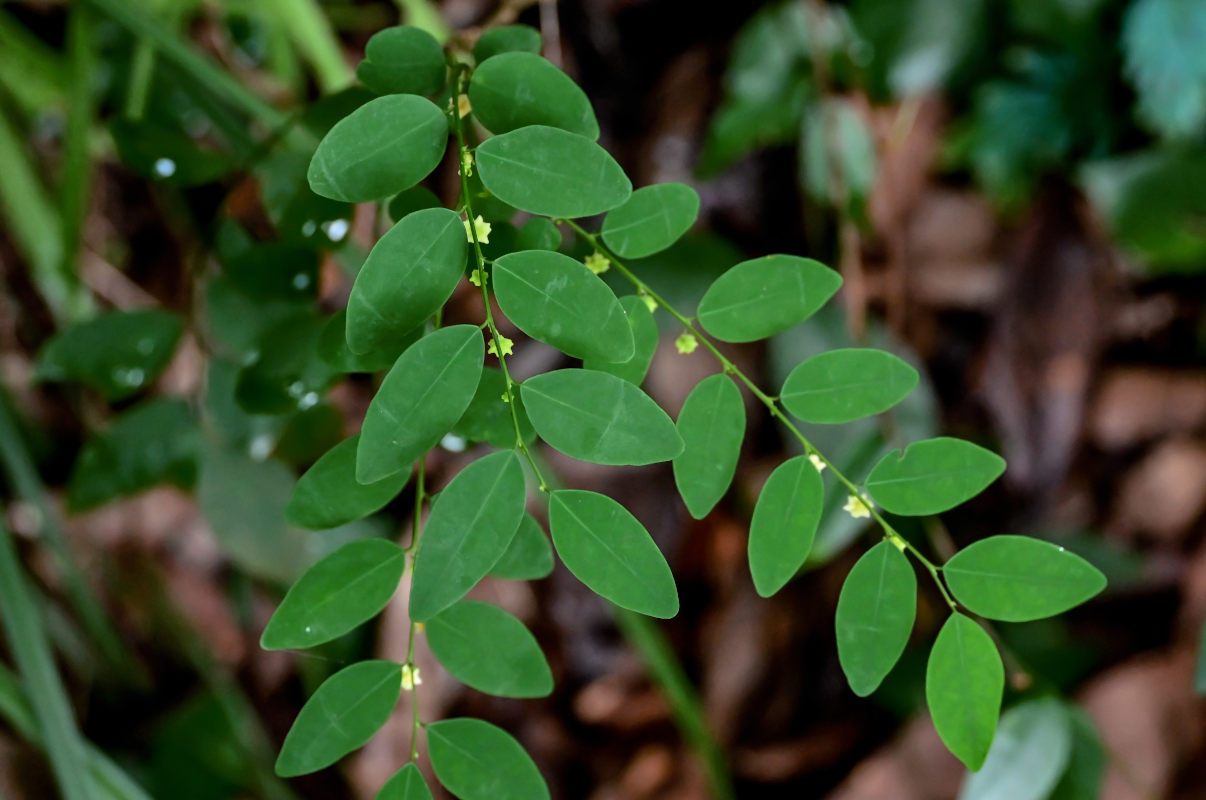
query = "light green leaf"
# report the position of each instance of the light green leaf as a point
(1086, 763)
(847, 384)
(712, 426)
(598, 417)
(506, 39)
(345, 712)
(478, 761)
(932, 476)
(764, 296)
(557, 300)
(611, 552)
(516, 89)
(488, 417)
(515, 667)
(119, 353)
(343, 590)
(785, 523)
(1018, 578)
(1163, 41)
(1028, 755)
(467, 533)
(651, 220)
(384, 147)
(552, 172)
(644, 338)
(408, 276)
(334, 351)
(421, 398)
(328, 495)
(875, 614)
(964, 681)
(403, 60)
(406, 784)
(529, 556)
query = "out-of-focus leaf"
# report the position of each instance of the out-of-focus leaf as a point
(1164, 42)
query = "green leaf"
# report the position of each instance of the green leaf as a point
(119, 353)
(932, 476)
(407, 784)
(340, 592)
(651, 220)
(328, 495)
(552, 172)
(784, 524)
(1163, 41)
(875, 614)
(284, 372)
(506, 39)
(964, 681)
(529, 556)
(460, 634)
(384, 147)
(1086, 763)
(712, 426)
(1018, 578)
(538, 233)
(153, 442)
(557, 300)
(847, 384)
(413, 199)
(764, 296)
(488, 417)
(644, 338)
(345, 712)
(419, 401)
(598, 417)
(274, 271)
(475, 760)
(403, 60)
(1028, 754)
(512, 90)
(468, 532)
(334, 351)
(408, 276)
(610, 551)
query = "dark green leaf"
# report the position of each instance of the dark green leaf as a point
(334, 351)
(468, 532)
(414, 199)
(552, 172)
(461, 633)
(512, 90)
(529, 556)
(402, 60)
(598, 417)
(478, 761)
(1018, 579)
(165, 154)
(274, 270)
(611, 552)
(875, 614)
(764, 296)
(644, 338)
(488, 417)
(343, 590)
(964, 681)
(384, 147)
(712, 426)
(1028, 754)
(1086, 763)
(284, 371)
(341, 716)
(419, 401)
(651, 220)
(300, 216)
(407, 784)
(557, 300)
(538, 233)
(932, 476)
(1163, 41)
(785, 523)
(847, 384)
(506, 39)
(328, 495)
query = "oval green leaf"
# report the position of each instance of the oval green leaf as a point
(1019, 578)
(328, 495)
(610, 551)
(785, 523)
(598, 417)
(964, 681)
(460, 634)
(932, 476)
(467, 533)
(552, 172)
(341, 716)
(488, 417)
(408, 276)
(557, 300)
(529, 556)
(343, 590)
(1028, 754)
(538, 233)
(875, 614)
(506, 39)
(764, 296)
(403, 60)
(512, 90)
(1086, 763)
(847, 384)
(651, 220)
(384, 147)
(644, 339)
(334, 351)
(406, 784)
(478, 761)
(712, 425)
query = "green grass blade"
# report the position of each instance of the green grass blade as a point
(32, 72)
(311, 33)
(77, 165)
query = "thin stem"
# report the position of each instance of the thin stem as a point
(412, 551)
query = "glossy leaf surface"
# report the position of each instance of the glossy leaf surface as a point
(964, 680)
(932, 476)
(651, 220)
(712, 426)
(515, 667)
(847, 384)
(328, 495)
(785, 523)
(516, 89)
(478, 761)
(764, 296)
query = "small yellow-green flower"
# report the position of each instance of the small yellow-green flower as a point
(410, 677)
(650, 303)
(506, 346)
(817, 462)
(597, 263)
(467, 163)
(857, 507)
(481, 227)
(477, 277)
(686, 343)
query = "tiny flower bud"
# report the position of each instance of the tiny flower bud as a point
(817, 462)
(857, 507)
(597, 263)
(686, 343)
(650, 303)
(410, 677)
